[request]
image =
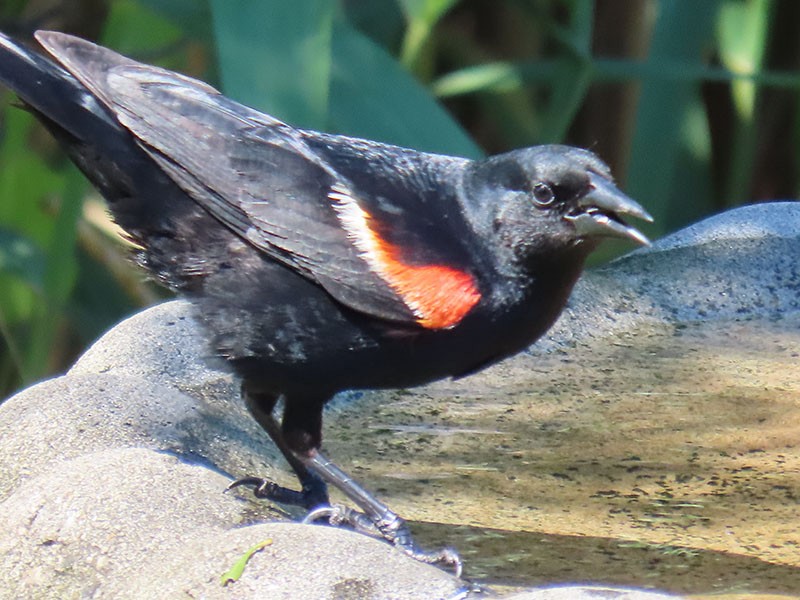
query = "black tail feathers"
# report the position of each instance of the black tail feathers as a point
(52, 93)
(144, 201)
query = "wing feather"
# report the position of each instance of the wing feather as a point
(291, 194)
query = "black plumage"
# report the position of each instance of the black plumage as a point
(317, 262)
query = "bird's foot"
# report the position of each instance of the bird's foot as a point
(312, 495)
(340, 515)
(394, 530)
(376, 519)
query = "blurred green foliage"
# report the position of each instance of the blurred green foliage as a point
(694, 104)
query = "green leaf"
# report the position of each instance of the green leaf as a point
(60, 274)
(137, 31)
(372, 96)
(743, 29)
(421, 16)
(235, 572)
(61, 269)
(742, 33)
(502, 77)
(192, 16)
(572, 80)
(98, 298)
(318, 72)
(20, 257)
(276, 56)
(495, 77)
(670, 155)
(428, 11)
(382, 20)
(26, 181)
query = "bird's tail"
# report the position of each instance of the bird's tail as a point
(55, 96)
(146, 203)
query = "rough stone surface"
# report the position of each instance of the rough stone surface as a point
(297, 563)
(67, 417)
(101, 516)
(111, 477)
(165, 530)
(742, 263)
(163, 344)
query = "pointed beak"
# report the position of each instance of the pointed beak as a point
(600, 213)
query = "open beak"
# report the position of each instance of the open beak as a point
(600, 212)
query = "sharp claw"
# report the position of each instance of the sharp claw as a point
(446, 557)
(338, 514)
(262, 488)
(395, 532)
(265, 489)
(321, 512)
(451, 558)
(256, 481)
(384, 524)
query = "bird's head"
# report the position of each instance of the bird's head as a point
(548, 198)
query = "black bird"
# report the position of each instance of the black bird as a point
(319, 263)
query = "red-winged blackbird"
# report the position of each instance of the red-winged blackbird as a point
(316, 262)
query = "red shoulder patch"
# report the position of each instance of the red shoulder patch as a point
(439, 296)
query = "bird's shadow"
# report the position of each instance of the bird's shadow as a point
(529, 558)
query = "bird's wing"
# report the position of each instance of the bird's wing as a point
(369, 233)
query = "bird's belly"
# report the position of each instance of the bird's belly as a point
(314, 345)
(288, 334)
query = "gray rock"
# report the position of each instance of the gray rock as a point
(112, 474)
(70, 416)
(300, 561)
(101, 516)
(770, 220)
(744, 263)
(134, 523)
(162, 344)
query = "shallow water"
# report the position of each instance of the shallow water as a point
(667, 457)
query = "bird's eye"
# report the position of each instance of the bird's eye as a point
(543, 194)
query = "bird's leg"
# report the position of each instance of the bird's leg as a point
(298, 438)
(302, 431)
(314, 492)
(390, 526)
